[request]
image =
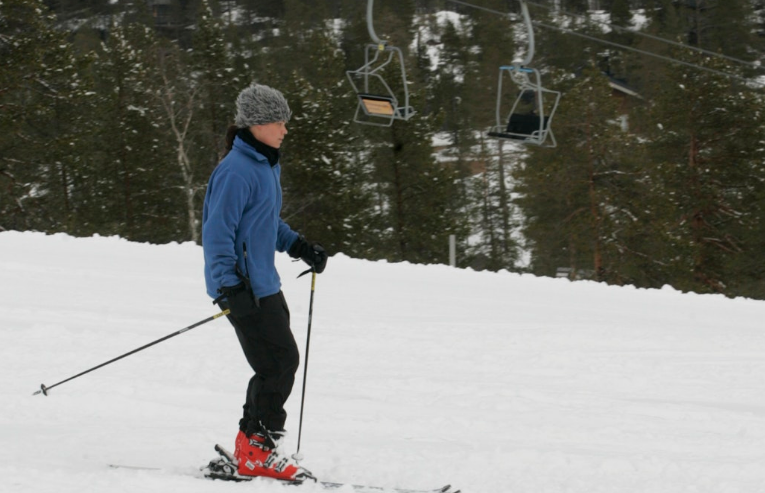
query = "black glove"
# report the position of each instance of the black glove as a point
(312, 254)
(240, 299)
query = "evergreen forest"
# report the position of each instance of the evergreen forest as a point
(113, 115)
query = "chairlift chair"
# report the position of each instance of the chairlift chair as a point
(529, 118)
(377, 103)
(532, 112)
(375, 97)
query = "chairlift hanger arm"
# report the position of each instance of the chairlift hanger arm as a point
(530, 30)
(370, 24)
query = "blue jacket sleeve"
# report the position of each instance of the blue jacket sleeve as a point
(227, 200)
(285, 237)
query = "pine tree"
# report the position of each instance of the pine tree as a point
(583, 206)
(218, 86)
(41, 129)
(718, 25)
(705, 151)
(325, 197)
(575, 6)
(493, 39)
(619, 64)
(453, 74)
(497, 38)
(133, 180)
(493, 216)
(421, 197)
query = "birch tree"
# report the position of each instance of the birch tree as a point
(179, 98)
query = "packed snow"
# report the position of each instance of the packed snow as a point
(418, 376)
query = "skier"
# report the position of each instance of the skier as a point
(241, 231)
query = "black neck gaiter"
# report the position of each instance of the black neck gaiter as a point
(271, 153)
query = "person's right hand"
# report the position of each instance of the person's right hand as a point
(240, 300)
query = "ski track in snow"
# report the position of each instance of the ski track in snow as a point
(418, 376)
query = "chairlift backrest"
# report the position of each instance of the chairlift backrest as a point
(526, 124)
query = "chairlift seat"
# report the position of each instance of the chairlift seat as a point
(522, 126)
(378, 105)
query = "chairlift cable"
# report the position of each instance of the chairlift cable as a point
(617, 45)
(649, 36)
(644, 52)
(621, 29)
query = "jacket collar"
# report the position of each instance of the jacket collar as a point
(262, 151)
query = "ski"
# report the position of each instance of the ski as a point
(135, 468)
(225, 468)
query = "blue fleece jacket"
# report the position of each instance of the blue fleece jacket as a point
(242, 207)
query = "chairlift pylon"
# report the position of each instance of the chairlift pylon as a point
(377, 103)
(531, 115)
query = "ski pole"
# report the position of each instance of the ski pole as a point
(297, 456)
(44, 389)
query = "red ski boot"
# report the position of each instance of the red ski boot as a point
(239, 443)
(259, 455)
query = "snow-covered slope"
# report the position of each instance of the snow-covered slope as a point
(418, 376)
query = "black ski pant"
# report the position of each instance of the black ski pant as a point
(271, 351)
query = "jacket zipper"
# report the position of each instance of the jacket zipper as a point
(246, 263)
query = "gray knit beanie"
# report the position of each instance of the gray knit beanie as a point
(259, 104)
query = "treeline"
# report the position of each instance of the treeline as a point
(112, 117)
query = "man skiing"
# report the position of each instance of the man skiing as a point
(241, 231)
